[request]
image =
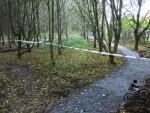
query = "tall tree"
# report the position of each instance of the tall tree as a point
(89, 12)
(114, 27)
(60, 20)
(137, 20)
(96, 16)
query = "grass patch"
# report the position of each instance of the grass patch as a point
(74, 42)
(77, 42)
(49, 84)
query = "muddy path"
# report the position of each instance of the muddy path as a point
(105, 95)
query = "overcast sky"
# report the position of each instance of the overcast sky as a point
(144, 10)
(146, 7)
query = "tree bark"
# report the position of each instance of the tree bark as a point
(111, 59)
(94, 35)
(19, 46)
(59, 26)
(100, 41)
(2, 37)
(51, 42)
(136, 45)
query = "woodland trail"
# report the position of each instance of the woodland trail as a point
(106, 95)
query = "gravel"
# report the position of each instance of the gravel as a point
(104, 96)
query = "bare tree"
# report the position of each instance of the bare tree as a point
(94, 13)
(136, 21)
(89, 12)
(23, 22)
(51, 11)
(114, 27)
(60, 20)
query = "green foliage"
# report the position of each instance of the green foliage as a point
(77, 42)
(44, 46)
(126, 24)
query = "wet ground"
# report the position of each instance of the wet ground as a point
(105, 95)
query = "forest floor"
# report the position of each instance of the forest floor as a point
(29, 86)
(107, 94)
(33, 85)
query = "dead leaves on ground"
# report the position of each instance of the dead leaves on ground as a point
(73, 70)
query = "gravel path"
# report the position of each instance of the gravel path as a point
(105, 95)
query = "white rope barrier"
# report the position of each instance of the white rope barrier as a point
(85, 50)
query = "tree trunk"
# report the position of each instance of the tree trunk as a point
(100, 47)
(9, 40)
(59, 26)
(51, 46)
(51, 28)
(28, 48)
(94, 34)
(100, 41)
(66, 33)
(52, 54)
(2, 37)
(59, 47)
(83, 30)
(116, 43)
(136, 46)
(19, 46)
(87, 33)
(111, 59)
(38, 45)
(38, 25)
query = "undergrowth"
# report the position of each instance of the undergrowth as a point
(48, 84)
